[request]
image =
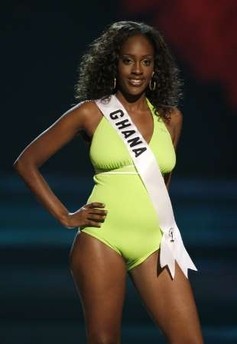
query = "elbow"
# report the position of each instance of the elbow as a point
(18, 166)
(15, 165)
(22, 167)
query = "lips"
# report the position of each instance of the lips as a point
(136, 82)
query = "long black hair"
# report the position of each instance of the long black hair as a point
(98, 66)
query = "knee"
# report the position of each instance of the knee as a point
(187, 340)
(103, 338)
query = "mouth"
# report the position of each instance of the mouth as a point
(136, 82)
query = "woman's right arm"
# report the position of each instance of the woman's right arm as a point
(40, 150)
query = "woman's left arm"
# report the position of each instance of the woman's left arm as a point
(174, 125)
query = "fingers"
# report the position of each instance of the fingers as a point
(95, 214)
(96, 218)
(95, 205)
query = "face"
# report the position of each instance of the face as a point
(136, 65)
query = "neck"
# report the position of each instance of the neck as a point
(132, 102)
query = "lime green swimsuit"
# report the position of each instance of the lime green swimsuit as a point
(131, 226)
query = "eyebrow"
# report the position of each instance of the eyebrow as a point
(132, 55)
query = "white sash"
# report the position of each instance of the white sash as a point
(172, 248)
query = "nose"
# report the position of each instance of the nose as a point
(137, 68)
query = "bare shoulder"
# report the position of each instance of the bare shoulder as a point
(176, 118)
(85, 107)
(174, 124)
(82, 111)
(86, 116)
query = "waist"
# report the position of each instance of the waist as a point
(125, 170)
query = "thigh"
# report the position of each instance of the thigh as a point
(170, 302)
(100, 277)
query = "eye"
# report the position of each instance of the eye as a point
(127, 60)
(147, 62)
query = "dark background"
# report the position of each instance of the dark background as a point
(41, 44)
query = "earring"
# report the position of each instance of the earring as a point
(152, 85)
(115, 83)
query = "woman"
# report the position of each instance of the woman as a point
(128, 66)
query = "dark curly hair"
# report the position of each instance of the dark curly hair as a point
(98, 66)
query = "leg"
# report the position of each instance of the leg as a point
(100, 277)
(170, 302)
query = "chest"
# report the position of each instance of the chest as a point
(108, 151)
(144, 122)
